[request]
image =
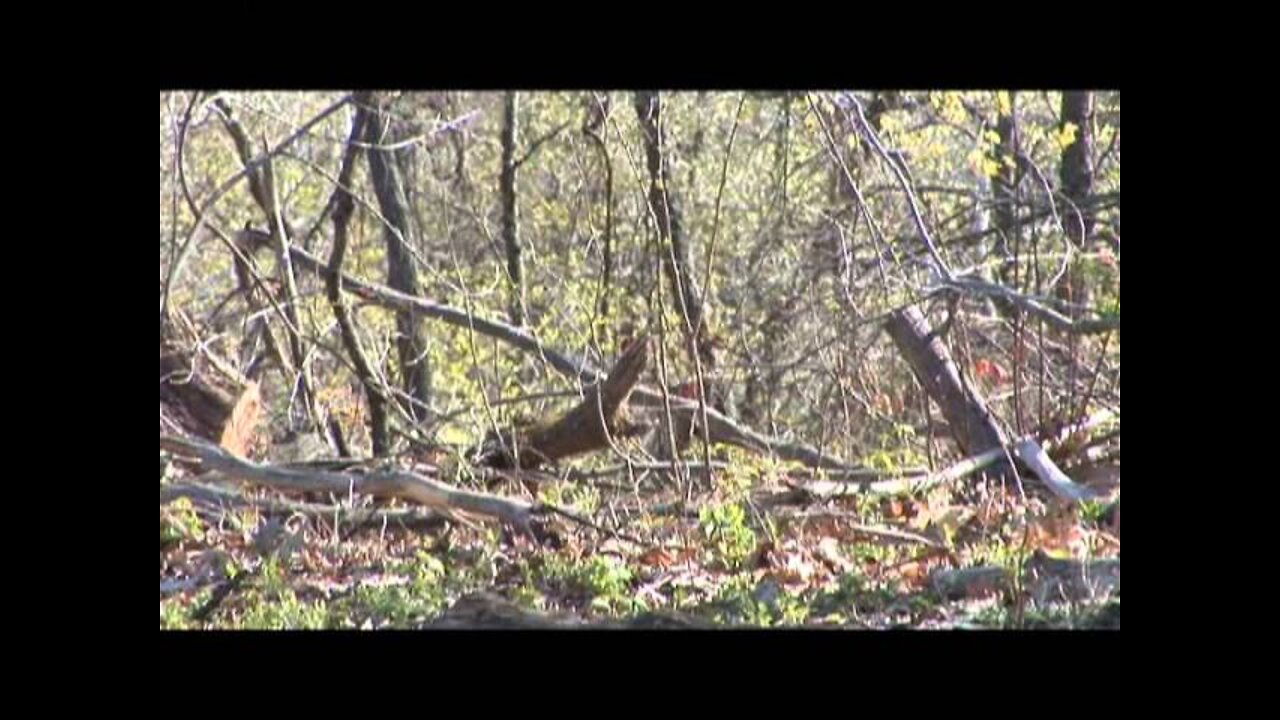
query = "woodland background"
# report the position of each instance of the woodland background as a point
(639, 359)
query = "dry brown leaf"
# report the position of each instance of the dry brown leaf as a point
(914, 573)
(657, 557)
(1059, 530)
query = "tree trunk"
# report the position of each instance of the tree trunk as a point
(344, 205)
(594, 128)
(1004, 191)
(971, 423)
(1076, 174)
(677, 263)
(510, 217)
(411, 342)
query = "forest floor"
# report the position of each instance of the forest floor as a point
(750, 551)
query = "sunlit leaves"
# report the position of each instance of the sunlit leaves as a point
(1004, 103)
(1065, 136)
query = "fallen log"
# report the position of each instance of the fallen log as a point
(1046, 579)
(378, 483)
(201, 395)
(588, 426)
(1023, 449)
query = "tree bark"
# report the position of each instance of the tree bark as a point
(1004, 191)
(972, 425)
(1076, 174)
(510, 210)
(411, 342)
(593, 128)
(344, 205)
(666, 208)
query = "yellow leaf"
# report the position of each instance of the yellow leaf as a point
(1004, 103)
(1067, 135)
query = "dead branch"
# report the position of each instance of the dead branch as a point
(1040, 464)
(886, 533)
(215, 497)
(977, 286)
(588, 426)
(643, 467)
(383, 483)
(1033, 455)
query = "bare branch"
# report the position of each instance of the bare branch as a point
(384, 483)
(977, 286)
(202, 216)
(533, 146)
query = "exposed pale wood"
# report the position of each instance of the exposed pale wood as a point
(220, 406)
(216, 497)
(1033, 455)
(388, 483)
(1054, 478)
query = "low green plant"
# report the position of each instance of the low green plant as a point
(725, 528)
(605, 580)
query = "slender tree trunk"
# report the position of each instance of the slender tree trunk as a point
(971, 423)
(344, 205)
(1076, 174)
(1004, 192)
(510, 216)
(594, 128)
(411, 342)
(677, 263)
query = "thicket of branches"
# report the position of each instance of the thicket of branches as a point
(760, 239)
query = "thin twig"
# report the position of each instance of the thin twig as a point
(533, 146)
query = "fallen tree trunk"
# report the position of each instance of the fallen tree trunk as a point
(218, 498)
(391, 484)
(971, 422)
(972, 425)
(1040, 464)
(590, 425)
(201, 395)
